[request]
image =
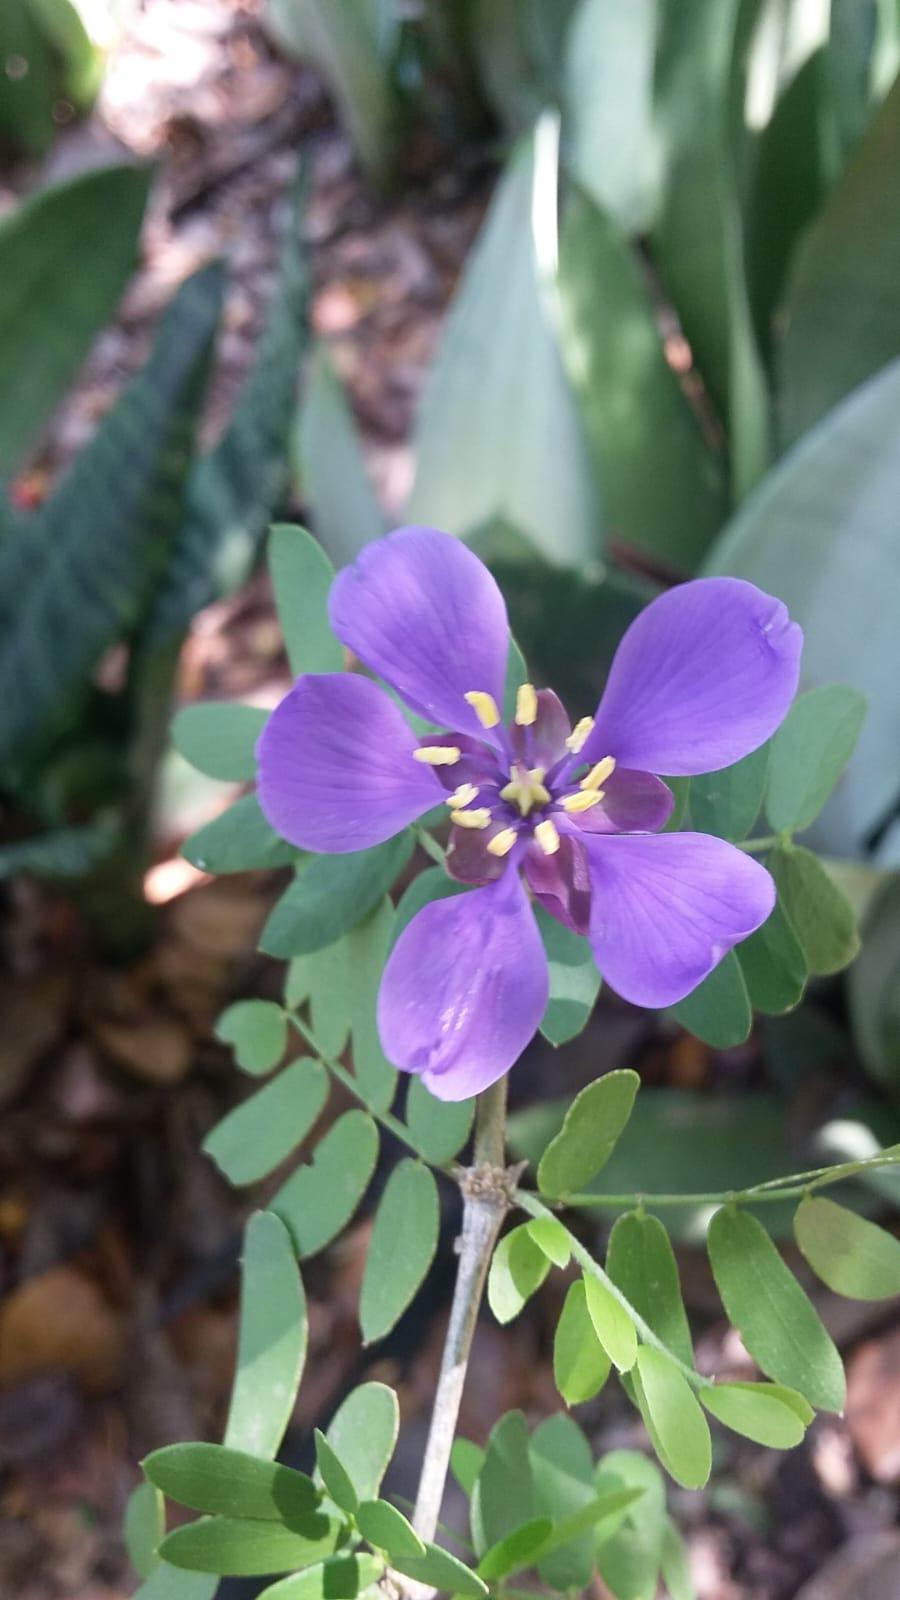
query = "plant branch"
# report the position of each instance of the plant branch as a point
(485, 1202)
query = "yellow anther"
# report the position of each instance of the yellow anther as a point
(484, 706)
(547, 836)
(578, 737)
(463, 796)
(599, 774)
(526, 790)
(478, 818)
(581, 801)
(502, 842)
(526, 705)
(437, 755)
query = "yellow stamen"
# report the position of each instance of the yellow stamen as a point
(437, 755)
(526, 790)
(547, 836)
(526, 705)
(502, 842)
(478, 818)
(599, 773)
(578, 737)
(463, 796)
(484, 706)
(582, 801)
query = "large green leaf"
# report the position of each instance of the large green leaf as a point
(727, 802)
(822, 533)
(675, 1420)
(234, 490)
(350, 44)
(848, 1252)
(240, 840)
(697, 241)
(562, 1469)
(81, 571)
(842, 313)
(873, 987)
(773, 965)
(775, 1318)
(593, 1125)
(219, 738)
(818, 911)
(272, 1339)
(363, 1433)
(608, 105)
(767, 1413)
(809, 753)
(333, 479)
(718, 1010)
(242, 1548)
(641, 1263)
(633, 406)
(519, 49)
(339, 1577)
(65, 257)
(301, 576)
(497, 398)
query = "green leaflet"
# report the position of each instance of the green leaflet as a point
(401, 1249)
(612, 1324)
(818, 912)
(256, 1031)
(728, 802)
(775, 1318)
(363, 1432)
(580, 1363)
(145, 1525)
(641, 1262)
(574, 980)
(848, 1252)
(332, 470)
(330, 895)
(219, 738)
(718, 1010)
(760, 1411)
(318, 1200)
(272, 1339)
(231, 1483)
(810, 751)
(301, 576)
(241, 1548)
(674, 1418)
(261, 1132)
(240, 840)
(592, 1126)
(518, 1268)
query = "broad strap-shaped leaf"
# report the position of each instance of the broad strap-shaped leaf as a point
(718, 1010)
(219, 738)
(574, 980)
(334, 482)
(363, 1433)
(809, 753)
(608, 99)
(234, 490)
(842, 311)
(820, 533)
(257, 1135)
(580, 1363)
(401, 1249)
(641, 1262)
(818, 912)
(240, 1548)
(593, 1124)
(66, 254)
(767, 1413)
(518, 429)
(318, 1200)
(675, 1421)
(330, 895)
(82, 569)
(256, 1031)
(301, 576)
(773, 1315)
(633, 406)
(518, 1268)
(231, 1483)
(272, 1339)
(848, 1252)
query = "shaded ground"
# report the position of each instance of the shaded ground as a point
(118, 1243)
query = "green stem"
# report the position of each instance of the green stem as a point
(791, 1187)
(756, 846)
(536, 1208)
(340, 1073)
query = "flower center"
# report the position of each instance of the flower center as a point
(526, 789)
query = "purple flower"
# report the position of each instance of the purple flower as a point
(702, 677)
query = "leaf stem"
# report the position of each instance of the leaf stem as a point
(485, 1203)
(766, 841)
